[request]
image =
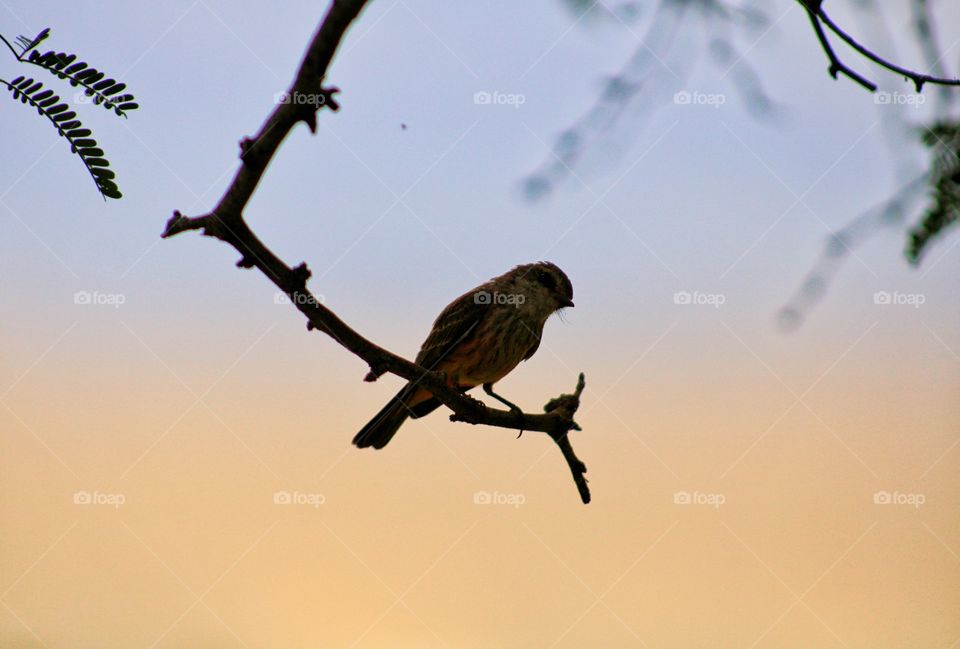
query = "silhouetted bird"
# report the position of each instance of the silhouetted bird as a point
(477, 340)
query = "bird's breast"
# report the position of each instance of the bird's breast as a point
(501, 341)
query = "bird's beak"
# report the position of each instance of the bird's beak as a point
(564, 302)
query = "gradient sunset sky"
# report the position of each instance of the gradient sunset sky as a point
(752, 487)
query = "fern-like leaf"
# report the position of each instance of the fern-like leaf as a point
(48, 104)
(101, 91)
(943, 139)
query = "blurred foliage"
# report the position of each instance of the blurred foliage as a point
(943, 140)
(592, 9)
(675, 34)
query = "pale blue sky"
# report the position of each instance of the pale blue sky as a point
(205, 74)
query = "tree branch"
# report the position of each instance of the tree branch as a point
(817, 16)
(918, 78)
(836, 65)
(226, 223)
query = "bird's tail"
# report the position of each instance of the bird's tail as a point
(385, 424)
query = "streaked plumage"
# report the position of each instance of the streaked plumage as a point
(477, 340)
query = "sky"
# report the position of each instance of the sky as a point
(176, 461)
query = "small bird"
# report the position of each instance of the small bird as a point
(477, 340)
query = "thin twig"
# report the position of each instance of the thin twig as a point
(836, 65)
(918, 78)
(15, 53)
(818, 18)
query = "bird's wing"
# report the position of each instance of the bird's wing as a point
(455, 325)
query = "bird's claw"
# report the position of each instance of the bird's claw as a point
(517, 412)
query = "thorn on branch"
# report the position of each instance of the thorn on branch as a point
(308, 115)
(299, 275)
(307, 110)
(327, 98)
(173, 224)
(301, 272)
(246, 146)
(179, 223)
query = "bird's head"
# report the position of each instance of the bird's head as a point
(544, 287)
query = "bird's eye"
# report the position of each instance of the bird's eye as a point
(547, 279)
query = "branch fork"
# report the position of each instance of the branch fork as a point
(818, 18)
